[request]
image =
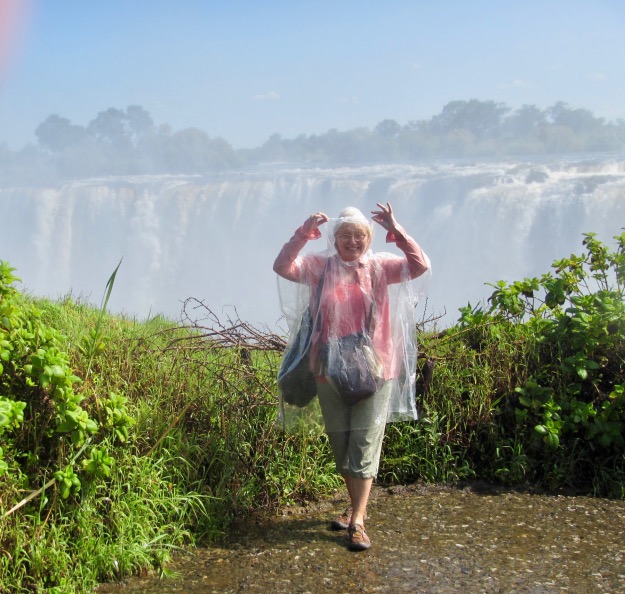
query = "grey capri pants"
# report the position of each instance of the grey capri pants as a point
(355, 432)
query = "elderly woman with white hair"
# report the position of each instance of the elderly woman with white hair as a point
(358, 302)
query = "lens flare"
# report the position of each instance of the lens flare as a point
(13, 17)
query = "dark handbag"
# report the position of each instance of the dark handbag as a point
(295, 379)
(352, 367)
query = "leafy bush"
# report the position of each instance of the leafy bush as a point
(38, 386)
(63, 442)
(577, 317)
(529, 389)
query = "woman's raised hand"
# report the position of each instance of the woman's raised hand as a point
(313, 222)
(385, 217)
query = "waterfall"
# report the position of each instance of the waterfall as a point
(215, 237)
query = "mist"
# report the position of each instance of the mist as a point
(214, 236)
(122, 142)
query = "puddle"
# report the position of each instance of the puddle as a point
(428, 540)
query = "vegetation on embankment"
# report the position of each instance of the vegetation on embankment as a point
(122, 440)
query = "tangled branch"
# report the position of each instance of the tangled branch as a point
(231, 333)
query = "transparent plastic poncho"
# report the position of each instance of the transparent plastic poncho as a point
(328, 300)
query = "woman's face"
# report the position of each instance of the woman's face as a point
(352, 241)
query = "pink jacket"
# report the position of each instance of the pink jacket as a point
(354, 297)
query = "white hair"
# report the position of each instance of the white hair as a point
(351, 214)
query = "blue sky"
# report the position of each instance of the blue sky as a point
(245, 69)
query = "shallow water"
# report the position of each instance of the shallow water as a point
(424, 540)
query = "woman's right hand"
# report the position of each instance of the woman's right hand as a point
(312, 223)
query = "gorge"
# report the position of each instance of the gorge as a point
(214, 237)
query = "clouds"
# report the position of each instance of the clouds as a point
(515, 84)
(264, 97)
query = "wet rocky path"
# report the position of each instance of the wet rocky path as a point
(428, 540)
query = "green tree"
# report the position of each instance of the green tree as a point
(525, 121)
(110, 126)
(580, 121)
(192, 150)
(482, 118)
(57, 134)
(387, 129)
(139, 122)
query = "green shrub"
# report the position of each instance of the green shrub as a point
(531, 387)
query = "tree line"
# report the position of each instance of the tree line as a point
(128, 141)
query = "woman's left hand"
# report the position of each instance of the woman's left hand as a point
(385, 217)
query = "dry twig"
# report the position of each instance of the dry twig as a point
(233, 333)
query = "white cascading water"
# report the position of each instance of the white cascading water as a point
(215, 237)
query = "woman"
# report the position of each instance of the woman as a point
(348, 292)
